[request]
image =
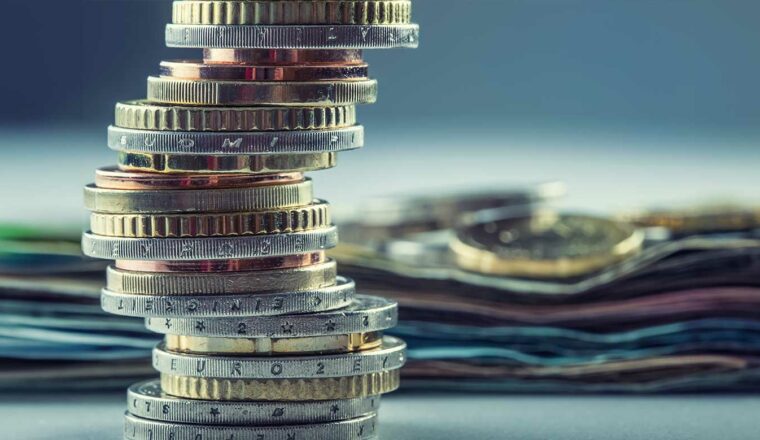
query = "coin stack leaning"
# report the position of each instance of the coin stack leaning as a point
(217, 239)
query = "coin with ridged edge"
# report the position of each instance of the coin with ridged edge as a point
(390, 356)
(261, 304)
(256, 198)
(194, 163)
(314, 276)
(360, 428)
(285, 93)
(208, 248)
(146, 115)
(347, 387)
(285, 12)
(292, 37)
(238, 143)
(146, 400)
(365, 314)
(303, 218)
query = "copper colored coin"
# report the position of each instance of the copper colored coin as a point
(282, 56)
(113, 178)
(286, 262)
(242, 72)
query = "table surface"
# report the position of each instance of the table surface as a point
(443, 416)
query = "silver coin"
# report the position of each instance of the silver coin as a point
(237, 143)
(390, 356)
(360, 428)
(208, 248)
(365, 314)
(260, 304)
(146, 400)
(293, 37)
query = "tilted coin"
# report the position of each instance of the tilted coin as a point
(237, 143)
(292, 37)
(146, 115)
(256, 198)
(136, 428)
(208, 248)
(365, 314)
(260, 163)
(193, 283)
(344, 343)
(286, 93)
(238, 265)
(261, 304)
(328, 388)
(542, 243)
(390, 356)
(146, 400)
(297, 219)
(288, 12)
(190, 69)
(114, 178)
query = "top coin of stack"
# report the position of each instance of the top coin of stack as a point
(216, 235)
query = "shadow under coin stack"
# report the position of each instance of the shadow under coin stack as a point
(217, 239)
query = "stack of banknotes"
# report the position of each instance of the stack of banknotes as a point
(677, 310)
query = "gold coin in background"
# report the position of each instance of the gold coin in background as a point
(542, 243)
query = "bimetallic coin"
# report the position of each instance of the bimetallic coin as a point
(114, 178)
(146, 400)
(328, 388)
(285, 12)
(188, 69)
(271, 263)
(256, 164)
(260, 304)
(360, 428)
(282, 56)
(366, 314)
(146, 115)
(210, 248)
(542, 243)
(305, 218)
(197, 283)
(292, 37)
(390, 356)
(257, 198)
(274, 346)
(237, 143)
(285, 93)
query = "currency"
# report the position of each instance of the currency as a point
(541, 244)
(218, 241)
(146, 400)
(362, 427)
(333, 297)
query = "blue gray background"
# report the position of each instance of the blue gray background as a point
(687, 64)
(630, 102)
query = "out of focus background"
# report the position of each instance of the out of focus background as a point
(627, 102)
(632, 116)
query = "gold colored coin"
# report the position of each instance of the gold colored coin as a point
(145, 115)
(698, 219)
(274, 346)
(347, 387)
(341, 12)
(543, 244)
(256, 198)
(258, 164)
(177, 283)
(297, 219)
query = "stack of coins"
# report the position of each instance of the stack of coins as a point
(217, 239)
